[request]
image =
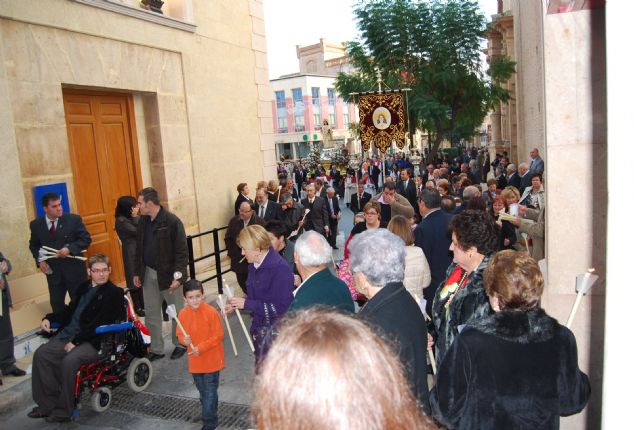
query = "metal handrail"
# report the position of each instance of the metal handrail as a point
(216, 254)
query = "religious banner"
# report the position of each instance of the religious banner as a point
(381, 120)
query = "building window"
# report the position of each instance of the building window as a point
(298, 109)
(345, 118)
(331, 95)
(317, 109)
(281, 112)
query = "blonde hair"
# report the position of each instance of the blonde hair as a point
(510, 191)
(273, 186)
(328, 370)
(515, 279)
(401, 227)
(261, 185)
(254, 237)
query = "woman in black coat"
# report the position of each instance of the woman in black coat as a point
(126, 228)
(517, 368)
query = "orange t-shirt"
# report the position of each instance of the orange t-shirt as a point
(205, 328)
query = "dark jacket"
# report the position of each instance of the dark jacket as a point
(233, 250)
(318, 217)
(106, 307)
(6, 300)
(70, 233)
(470, 303)
(239, 200)
(395, 315)
(511, 370)
(357, 205)
(525, 181)
(323, 288)
(514, 180)
(410, 193)
(269, 284)
(502, 182)
(169, 247)
(272, 211)
(127, 230)
(432, 235)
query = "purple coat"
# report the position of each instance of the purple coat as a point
(270, 284)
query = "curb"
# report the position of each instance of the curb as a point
(16, 398)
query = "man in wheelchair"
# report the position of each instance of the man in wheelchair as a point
(55, 364)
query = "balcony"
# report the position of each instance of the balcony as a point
(170, 13)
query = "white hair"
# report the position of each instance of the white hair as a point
(470, 192)
(313, 249)
(379, 255)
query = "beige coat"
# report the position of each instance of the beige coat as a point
(400, 207)
(535, 231)
(417, 274)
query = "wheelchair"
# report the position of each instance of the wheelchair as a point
(122, 359)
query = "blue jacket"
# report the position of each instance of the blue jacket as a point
(432, 235)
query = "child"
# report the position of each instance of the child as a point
(204, 342)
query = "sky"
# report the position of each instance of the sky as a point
(303, 22)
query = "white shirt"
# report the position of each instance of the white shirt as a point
(54, 222)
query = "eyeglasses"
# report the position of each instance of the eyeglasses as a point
(98, 271)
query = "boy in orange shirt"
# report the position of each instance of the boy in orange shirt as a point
(204, 342)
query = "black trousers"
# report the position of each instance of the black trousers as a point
(66, 277)
(54, 375)
(7, 359)
(333, 232)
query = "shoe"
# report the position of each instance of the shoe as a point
(153, 356)
(335, 247)
(178, 352)
(14, 371)
(36, 413)
(55, 419)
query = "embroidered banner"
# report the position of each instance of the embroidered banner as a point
(381, 120)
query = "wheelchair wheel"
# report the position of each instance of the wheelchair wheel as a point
(101, 399)
(139, 374)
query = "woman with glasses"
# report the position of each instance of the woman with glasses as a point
(461, 297)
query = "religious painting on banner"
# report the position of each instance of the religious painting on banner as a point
(381, 120)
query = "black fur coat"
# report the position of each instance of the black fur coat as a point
(510, 370)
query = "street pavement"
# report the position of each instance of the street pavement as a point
(171, 400)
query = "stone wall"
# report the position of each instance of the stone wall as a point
(201, 100)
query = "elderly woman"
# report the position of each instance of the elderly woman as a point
(508, 235)
(269, 287)
(377, 263)
(461, 297)
(491, 192)
(321, 363)
(243, 196)
(417, 275)
(533, 195)
(517, 368)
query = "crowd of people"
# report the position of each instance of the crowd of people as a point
(441, 257)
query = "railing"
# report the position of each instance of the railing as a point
(216, 254)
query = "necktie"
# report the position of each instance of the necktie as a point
(331, 206)
(261, 211)
(52, 229)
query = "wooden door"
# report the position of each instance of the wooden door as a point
(105, 165)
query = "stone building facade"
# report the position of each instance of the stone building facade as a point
(558, 105)
(179, 101)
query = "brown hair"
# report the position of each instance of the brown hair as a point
(372, 205)
(401, 227)
(328, 370)
(98, 258)
(254, 237)
(272, 186)
(241, 186)
(515, 279)
(261, 185)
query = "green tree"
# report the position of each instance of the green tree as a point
(434, 48)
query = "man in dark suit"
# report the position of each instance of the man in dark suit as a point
(525, 177)
(67, 234)
(321, 188)
(391, 310)
(407, 188)
(318, 217)
(265, 208)
(512, 176)
(501, 178)
(374, 173)
(312, 256)
(432, 236)
(333, 207)
(359, 199)
(300, 175)
(239, 265)
(335, 177)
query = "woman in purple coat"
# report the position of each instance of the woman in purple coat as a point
(269, 287)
